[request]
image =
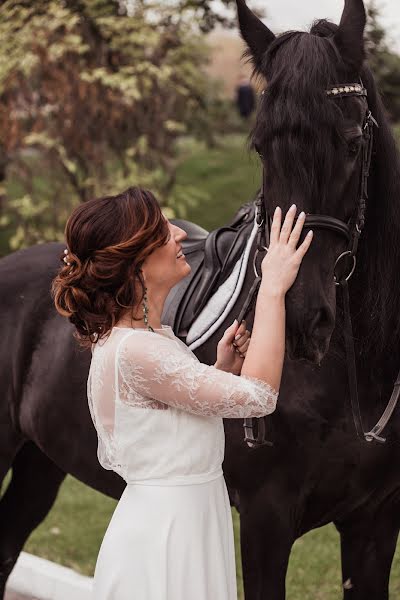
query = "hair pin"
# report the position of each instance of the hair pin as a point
(65, 259)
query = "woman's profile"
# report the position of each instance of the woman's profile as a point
(156, 408)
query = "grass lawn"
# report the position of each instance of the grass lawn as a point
(71, 535)
(227, 176)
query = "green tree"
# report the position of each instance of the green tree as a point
(204, 13)
(384, 63)
(94, 95)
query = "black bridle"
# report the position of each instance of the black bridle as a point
(351, 231)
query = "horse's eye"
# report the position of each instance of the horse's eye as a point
(353, 147)
(258, 150)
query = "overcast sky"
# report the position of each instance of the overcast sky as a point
(293, 14)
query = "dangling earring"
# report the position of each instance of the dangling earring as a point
(146, 311)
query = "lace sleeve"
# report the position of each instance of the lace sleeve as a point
(157, 367)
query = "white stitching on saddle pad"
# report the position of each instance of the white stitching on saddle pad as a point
(221, 303)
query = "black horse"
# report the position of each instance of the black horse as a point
(312, 145)
(317, 470)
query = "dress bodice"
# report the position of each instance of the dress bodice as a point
(158, 410)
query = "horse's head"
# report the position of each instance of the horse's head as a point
(311, 144)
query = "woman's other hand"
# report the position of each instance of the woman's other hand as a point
(232, 348)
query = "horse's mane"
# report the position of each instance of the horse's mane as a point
(379, 260)
(298, 77)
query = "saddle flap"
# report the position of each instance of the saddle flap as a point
(222, 249)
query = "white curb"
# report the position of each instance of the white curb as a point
(46, 580)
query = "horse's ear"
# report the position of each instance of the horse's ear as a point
(256, 35)
(349, 37)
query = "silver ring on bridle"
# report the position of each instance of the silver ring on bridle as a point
(257, 252)
(343, 255)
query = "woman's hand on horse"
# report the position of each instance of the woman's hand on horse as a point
(232, 348)
(283, 259)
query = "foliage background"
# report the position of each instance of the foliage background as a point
(94, 95)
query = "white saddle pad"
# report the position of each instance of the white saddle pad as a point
(220, 304)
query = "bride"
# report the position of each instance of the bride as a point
(157, 410)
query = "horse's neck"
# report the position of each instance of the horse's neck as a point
(379, 364)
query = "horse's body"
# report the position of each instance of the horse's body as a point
(317, 470)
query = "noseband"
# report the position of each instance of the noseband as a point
(351, 231)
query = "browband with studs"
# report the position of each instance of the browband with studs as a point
(354, 89)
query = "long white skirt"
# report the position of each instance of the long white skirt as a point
(169, 543)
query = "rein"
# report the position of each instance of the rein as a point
(351, 231)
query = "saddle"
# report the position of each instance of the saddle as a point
(212, 257)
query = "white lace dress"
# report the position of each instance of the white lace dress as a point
(158, 414)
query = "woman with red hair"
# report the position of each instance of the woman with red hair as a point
(157, 410)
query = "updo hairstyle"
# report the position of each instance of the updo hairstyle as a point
(108, 240)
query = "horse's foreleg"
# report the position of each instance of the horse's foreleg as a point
(25, 503)
(10, 443)
(368, 546)
(266, 542)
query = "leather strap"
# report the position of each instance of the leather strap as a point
(329, 223)
(252, 440)
(250, 300)
(374, 435)
(375, 432)
(249, 438)
(351, 361)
